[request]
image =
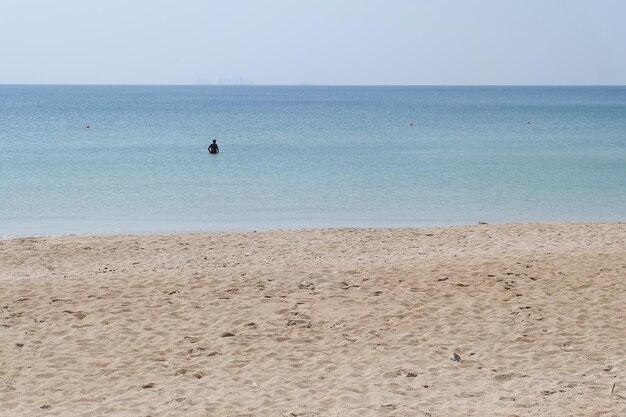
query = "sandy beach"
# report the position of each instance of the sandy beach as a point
(484, 320)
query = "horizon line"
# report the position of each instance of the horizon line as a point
(307, 85)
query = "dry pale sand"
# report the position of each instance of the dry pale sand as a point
(318, 322)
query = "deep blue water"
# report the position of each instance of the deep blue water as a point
(295, 157)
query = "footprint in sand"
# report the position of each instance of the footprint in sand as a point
(191, 339)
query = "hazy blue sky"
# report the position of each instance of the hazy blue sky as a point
(317, 42)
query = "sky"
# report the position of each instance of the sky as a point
(319, 42)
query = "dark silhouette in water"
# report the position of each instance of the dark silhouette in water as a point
(213, 148)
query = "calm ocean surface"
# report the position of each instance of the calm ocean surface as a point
(294, 157)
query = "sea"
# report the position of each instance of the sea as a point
(306, 157)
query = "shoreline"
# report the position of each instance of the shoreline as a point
(340, 321)
(304, 229)
(261, 228)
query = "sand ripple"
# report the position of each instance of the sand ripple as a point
(360, 322)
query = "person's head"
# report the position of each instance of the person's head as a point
(214, 140)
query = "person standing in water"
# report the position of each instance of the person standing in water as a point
(213, 148)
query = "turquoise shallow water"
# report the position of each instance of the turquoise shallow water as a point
(295, 157)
